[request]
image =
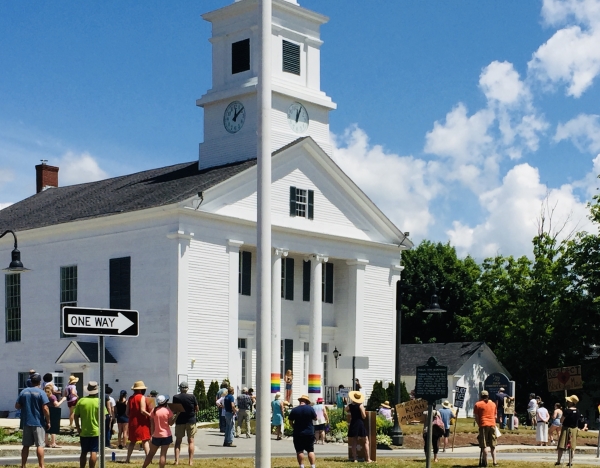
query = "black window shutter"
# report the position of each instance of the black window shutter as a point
(292, 201)
(311, 204)
(120, 283)
(306, 281)
(288, 355)
(240, 56)
(246, 273)
(329, 286)
(289, 279)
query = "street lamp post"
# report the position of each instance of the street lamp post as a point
(15, 265)
(434, 307)
(336, 356)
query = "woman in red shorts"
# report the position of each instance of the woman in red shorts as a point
(139, 419)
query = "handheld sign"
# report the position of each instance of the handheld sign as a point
(459, 396)
(432, 381)
(564, 378)
(100, 322)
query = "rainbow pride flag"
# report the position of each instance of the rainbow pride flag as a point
(314, 383)
(275, 383)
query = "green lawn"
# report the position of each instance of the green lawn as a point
(325, 463)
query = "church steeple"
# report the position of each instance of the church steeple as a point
(299, 106)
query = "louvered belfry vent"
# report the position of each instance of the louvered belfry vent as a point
(240, 56)
(291, 57)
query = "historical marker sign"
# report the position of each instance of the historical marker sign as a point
(432, 381)
(459, 396)
(564, 378)
(494, 382)
(100, 322)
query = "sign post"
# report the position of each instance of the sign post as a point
(354, 362)
(431, 384)
(459, 401)
(100, 323)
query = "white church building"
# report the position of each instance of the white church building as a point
(178, 243)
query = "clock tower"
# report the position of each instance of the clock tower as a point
(299, 107)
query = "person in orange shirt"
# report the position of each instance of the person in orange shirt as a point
(485, 416)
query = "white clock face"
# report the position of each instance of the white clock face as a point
(297, 117)
(234, 117)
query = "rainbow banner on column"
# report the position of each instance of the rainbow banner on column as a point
(275, 383)
(314, 383)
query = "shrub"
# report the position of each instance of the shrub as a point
(384, 427)
(384, 440)
(335, 416)
(287, 428)
(210, 414)
(211, 394)
(342, 427)
(378, 396)
(200, 394)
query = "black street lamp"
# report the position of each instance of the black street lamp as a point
(336, 355)
(15, 265)
(434, 307)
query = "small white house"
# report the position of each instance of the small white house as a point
(469, 363)
(178, 243)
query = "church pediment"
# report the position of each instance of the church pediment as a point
(328, 202)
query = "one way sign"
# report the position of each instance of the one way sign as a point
(105, 322)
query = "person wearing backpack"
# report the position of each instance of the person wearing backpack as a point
(437, 431)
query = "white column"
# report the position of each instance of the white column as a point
(355, 315)
(234, 364)
(263, 309)
(276, 320)
(315, 330)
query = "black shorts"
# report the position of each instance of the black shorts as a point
(160, 441)
(320, 427)
(447, 433)
(89, 444)
(304, 443)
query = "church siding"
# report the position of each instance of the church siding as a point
(208, 315)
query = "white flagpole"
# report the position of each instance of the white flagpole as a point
(263, 322)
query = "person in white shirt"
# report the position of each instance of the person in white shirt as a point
(541, 418)
(532, 407)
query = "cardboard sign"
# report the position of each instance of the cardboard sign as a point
(176, 407)
(411, 411)
(564, 378)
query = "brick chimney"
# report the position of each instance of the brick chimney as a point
(45, 176)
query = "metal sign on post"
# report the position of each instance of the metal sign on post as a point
(100, 323)
(431, 384)
(96, 322)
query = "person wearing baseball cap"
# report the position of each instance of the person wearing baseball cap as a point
(185, 424)
(485, 416)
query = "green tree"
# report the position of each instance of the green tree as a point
(211, 394)
(456, 281)
(378, 396)
(200, 394)
(391, 393)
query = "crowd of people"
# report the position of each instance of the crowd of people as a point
(148, 420)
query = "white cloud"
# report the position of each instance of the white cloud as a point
(78, 169)
(514, 210)
(4, 205)
(556, 12)
(583, 131)
(401, 186)
(500, 82)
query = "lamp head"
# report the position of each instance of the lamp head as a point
(16, 266)
(434, 307)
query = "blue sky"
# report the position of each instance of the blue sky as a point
(468, 114)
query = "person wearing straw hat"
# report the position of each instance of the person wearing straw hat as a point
(357, 433)
(301, 418)
(568, 434)
(71, 394)
(446, 414)
(385, 410)
(86, 410)
(139, 419)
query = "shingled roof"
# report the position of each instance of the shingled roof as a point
(139, 191)
(453, 355)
